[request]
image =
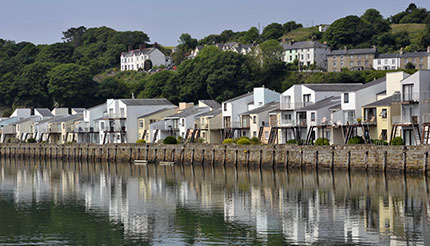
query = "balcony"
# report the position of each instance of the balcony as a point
(54, 129)
(404, 120)
(115, 116)
(294, 105)
(115, 129)
(408, 97)
(235, 124)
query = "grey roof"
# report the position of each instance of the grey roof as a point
(266, 107)
(303, 45)
(45, 112)
(211, 103)
(24, 120)
(146, 101)
(67, 118)
(51, 119)
(352, 51)
(187, 112)
(155, 112)
(383, 102)
(78, 110)
(210, 113)
(415, 54)
(239, 97)
(332, 101)
(372, 83)
(334, 87)
(383, 56)
(138, 52)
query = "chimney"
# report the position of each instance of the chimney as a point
(428, 49)
(345, 48)
(130, 47)
(156, 45)
(283, 39)
(401, 51)
(142, 46)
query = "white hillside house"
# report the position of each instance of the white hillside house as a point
(143, 59)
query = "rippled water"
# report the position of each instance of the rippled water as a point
(57, 203)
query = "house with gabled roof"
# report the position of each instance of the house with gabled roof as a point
(210, 126)
(351, 59)
(147, 119)
(307, 53)
(120, 124)
(142, 58)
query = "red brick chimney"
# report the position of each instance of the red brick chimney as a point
(156, 45)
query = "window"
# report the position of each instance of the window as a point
(393, 61)
(351, 57)
(102, 125)
(379, 62)
(367, 56)
(183, 122)
(225, 106)
(341, 57)
(122, 112)
(421, 59)
(291, 58)
(351, 63)
(384, 134)
(345, 97)
(359, 63)
(359, 57)
(266, 134)
(309, 56)
(306, 97)
(313, 116)
(407, 92)
(254, 119)
(254, 134)
(140, 123)
(287, 116)
(383, 113)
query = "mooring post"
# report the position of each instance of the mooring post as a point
(316, 160)
(164, 154)
(203, 156)
(225, 155)
(332, 158)
(286, 159)
(173, 155)
(405, 149)
(192, 156)
(366, 160)
(385, 162)
(155, 154)
(213, 157)
(130, 154)
(273, 156)
(146, 151)
(235, 158)
(260, 162)
(301, 159)
(349, 161)
(182, 155)
(426, 156)
(247, 158)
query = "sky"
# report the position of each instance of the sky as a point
(43, 21)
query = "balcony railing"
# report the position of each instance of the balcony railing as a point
(234, 124)
(116, 115)
(54, 129)
(407, 97)
(115, 129)
(404, 119)
(294, 105)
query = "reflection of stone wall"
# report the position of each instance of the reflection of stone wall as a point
(414, 158)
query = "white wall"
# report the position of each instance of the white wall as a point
(21, 113)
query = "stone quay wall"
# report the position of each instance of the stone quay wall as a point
(366, 157)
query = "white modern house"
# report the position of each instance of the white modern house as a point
(88, 131)
(44, 113)
(386, 62)
(292, 124)
(306, 53)
(318, 116)
(233, 108)
(143, 59)
(24, 128)
(120, 124)
(257, 119)
(414, 98)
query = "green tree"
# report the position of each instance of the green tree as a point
(33, 86)
(375, 19)
(112, 88)
(74, 35)
(58, 52)
(186, 42)
(251, 36)
(272, 31)
(71, 85)
(290, 26)
(271, 50)
(348, 31)
(155, 85)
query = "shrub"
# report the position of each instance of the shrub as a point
(141, 141)
(397, 141)
(43, 141)
(199, 140)
(243, 141)
(379, 142)
(356, 140)
(292, 141)
(320, 141)
(228, 141)
(181, 140)
(255, 140)
(170, 140)
(31, 140)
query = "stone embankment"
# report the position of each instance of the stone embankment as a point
(366, 157)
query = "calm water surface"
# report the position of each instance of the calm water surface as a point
(54, 203)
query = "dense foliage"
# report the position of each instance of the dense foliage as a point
(397, 141)
(321, 141)
(228, 141)
(356, 140)
(170, 140)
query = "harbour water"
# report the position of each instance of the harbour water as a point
(72, 203)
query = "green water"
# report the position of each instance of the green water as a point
(54, 203)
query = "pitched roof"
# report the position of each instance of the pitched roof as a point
(210, 113)
(303, 45)
(334, 87)
(146, 101)
(384, 56)
(155, 112)
(383, 102)
(187, 112)
(97, 106)
(78, 110)
(239, 97)
(67, 118)
(415, 54)
(211, 103)
(138, 52)
(45, 112)
(352, 51)
(326, 102)
(25, 120)
(51, 119)
(266, 107)
(372, 83)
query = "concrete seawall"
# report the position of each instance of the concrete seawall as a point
(365, 157)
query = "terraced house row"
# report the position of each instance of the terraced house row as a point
(395, 105)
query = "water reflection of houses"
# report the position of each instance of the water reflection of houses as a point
(145, 202)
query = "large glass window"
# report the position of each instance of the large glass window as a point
(345, 97)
